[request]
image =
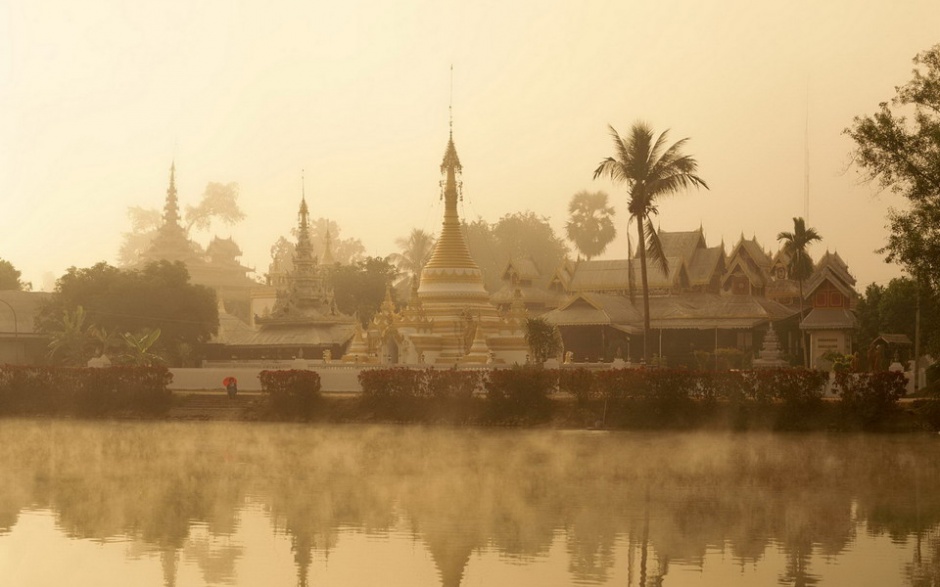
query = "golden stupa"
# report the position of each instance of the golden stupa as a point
(449, 318)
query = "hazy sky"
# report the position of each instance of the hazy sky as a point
(98, 97)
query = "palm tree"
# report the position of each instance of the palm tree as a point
(800, 263)
(415, 253)
(650, 170)
(590, 226)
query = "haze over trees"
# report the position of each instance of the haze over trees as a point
(514, 236)
(899, 147)
(98, 305)
(800, 263)
(219, 203)
(10, 278)
(650, 170)
(344, 251)
(590, 223)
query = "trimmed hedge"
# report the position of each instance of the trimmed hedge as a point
(84, 391)
(869, 399)
(402, 394)
(290, 393)
(520, 394)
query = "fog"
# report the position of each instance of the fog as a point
(597, 506)
(99, 98)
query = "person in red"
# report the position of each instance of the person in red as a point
(231, 386)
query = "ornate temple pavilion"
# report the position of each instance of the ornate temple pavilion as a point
(304, 322)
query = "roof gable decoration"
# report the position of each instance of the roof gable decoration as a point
(752, 250)
(739, 267)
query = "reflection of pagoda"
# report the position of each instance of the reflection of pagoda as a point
(217, 268)
(450, 319)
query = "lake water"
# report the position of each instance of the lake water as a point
(121, 503)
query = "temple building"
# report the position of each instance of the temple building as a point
(217, 267)
(304, 321)
(831, 320)
(707, 300)
(449, 318)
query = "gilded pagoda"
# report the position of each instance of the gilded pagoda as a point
(449, 318)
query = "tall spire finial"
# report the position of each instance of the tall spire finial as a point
(171, 213)
(303, 186)
(450, 106)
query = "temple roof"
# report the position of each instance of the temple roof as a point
(681, 244)
(589, 309)
(829, 319)
(709, 311)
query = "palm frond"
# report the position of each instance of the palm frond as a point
(654, 248)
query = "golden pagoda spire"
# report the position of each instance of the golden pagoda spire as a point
(451, 249)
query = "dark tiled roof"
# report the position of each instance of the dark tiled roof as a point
(829, 319)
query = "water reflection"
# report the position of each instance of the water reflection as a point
(587, 507)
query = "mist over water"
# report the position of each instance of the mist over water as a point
(237, 504)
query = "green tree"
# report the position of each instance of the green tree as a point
(159, 296)
(590, 223)
(10, 278)
(360, 288)
(543, 339)
(800, 264)
(650, 170)
(415, 252)
(899, 147)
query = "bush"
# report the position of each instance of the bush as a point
(641, 398)
(868, 399)
(520, 394)
(403, 394)
(291, 393)
(580, 383)
(83, 391)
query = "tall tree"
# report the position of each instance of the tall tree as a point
(10, 277)
(650, 170)
(899, 147)
(800, 264)
(415, 252)
(590, 223)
